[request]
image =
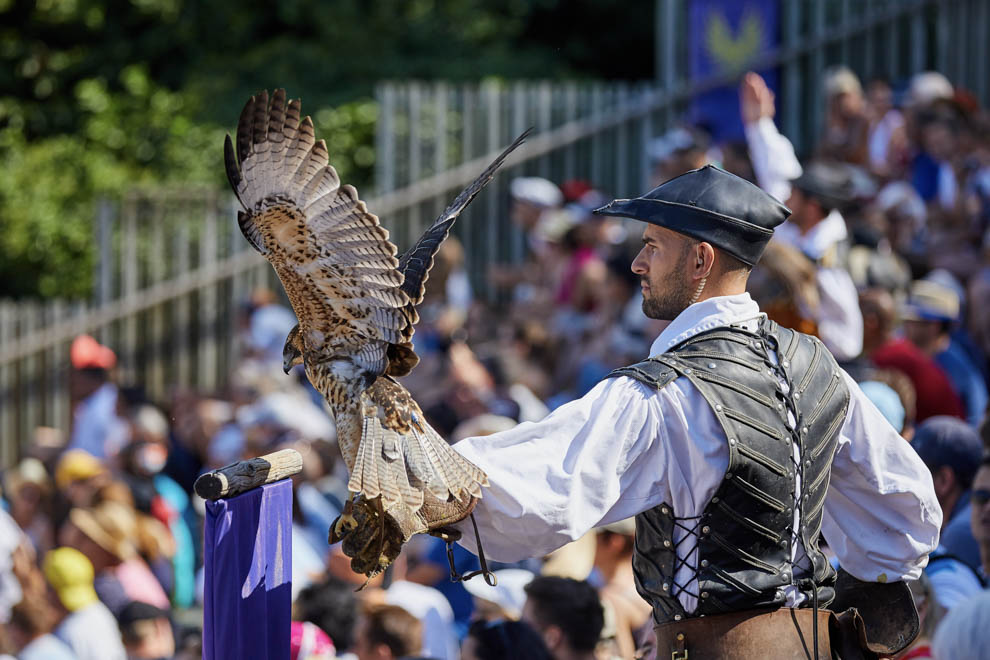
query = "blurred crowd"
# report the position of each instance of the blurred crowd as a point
(886, 258)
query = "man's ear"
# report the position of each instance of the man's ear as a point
(705, 258)
(944, 480)
(553, 636)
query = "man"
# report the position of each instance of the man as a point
(980, 513)
(387, 632)
(818, 230)
(934, 394)
(931, 312)
(739, 444)
(96, 428)
(951, 449)
(88, 627)
(727, 522)
(568, 615)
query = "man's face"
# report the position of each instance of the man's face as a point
(663, 266)
(923, 334)
(980, 511)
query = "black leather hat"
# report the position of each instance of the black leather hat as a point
(710, 205)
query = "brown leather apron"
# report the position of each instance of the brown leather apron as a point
(750, 635)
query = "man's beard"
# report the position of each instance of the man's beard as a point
(666, 305)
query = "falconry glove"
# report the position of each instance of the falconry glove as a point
(380, 533)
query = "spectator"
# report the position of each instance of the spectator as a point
(887, 139)
(503, 640)
(95, 426)
(331, 605)
(88, 627)
(772, 154)
(613, 562)
(29, 491)
(929, 614)
(934, 394)
(146, 632)
(567, 614)
(503, 601)
(929, 316)
(818, 230)
(105, 534)
(963, 632)
(846, 122)
(677, 151)
(387, 632)
(31, 624)
(980, 513)
(951, 449)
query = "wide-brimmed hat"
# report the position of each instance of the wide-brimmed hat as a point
(710, 205)
(931, 301)
(830, 183)
(110, 525)
(70, 573)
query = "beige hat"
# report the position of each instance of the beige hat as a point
(110, 525)
(575, 560)
(841, 80)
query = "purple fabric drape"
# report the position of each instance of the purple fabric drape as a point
(248, 581)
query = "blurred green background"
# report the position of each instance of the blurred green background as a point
(99, 97)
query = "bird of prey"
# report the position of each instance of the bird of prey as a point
(354, 300)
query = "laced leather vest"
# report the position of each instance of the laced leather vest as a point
(744, 533)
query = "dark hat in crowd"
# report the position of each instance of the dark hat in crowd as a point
(947, 441)
(830, 183)
(710, 205)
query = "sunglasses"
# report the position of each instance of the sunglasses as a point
(980, 497)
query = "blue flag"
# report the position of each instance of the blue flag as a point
(248, 580)
(727, 36)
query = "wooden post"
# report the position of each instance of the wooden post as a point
(242, 476)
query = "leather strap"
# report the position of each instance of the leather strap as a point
(489, 576)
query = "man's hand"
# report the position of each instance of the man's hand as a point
(380, 534)
(755, 99)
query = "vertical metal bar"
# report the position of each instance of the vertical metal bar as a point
(670, 34)
(844, 23)
(129, 287)
(818, 69)
(544, 122)
(597, 152)
(158, 272)
(206, 364)
(570, 114)
(869, 54)
(414, 221)
(792, 92)
(181, 308)
(386, 129)
(941, 37)
(104, 237)
(919, 43)
(440, 102)
(622, 183)
(893, 47)
(29, 315)
(7, 431)
(491, 92)
(981, 24)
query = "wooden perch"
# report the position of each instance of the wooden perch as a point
(242, 476)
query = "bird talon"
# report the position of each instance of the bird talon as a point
(346, 520)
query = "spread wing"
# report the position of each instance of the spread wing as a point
(333, 257)
(416, 263)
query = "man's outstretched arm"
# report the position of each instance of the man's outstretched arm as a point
(592, 461)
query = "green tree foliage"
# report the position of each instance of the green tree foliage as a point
(97, 97)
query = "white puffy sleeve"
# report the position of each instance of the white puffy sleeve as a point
(595, 460)
(772, 155)
(881, 516)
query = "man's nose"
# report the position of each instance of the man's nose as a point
(639, 264)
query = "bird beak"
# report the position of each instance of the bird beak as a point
(286, 367)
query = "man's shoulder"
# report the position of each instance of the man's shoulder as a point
(656, 372)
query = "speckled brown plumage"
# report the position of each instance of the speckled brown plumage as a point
(355, 301)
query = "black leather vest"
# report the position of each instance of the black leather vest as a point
(745, 531)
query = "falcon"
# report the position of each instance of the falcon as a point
(355, 302)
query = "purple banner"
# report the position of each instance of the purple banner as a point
(248, 581)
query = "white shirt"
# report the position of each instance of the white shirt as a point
(839, 318)
(624, 448)
(773, 159)
(92, 634)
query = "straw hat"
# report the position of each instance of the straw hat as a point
(110, 525)
(71, 575)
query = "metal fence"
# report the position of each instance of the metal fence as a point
(173, 269)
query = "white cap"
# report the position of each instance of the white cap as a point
(537, 191)
(928, 87)
(841, 80)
